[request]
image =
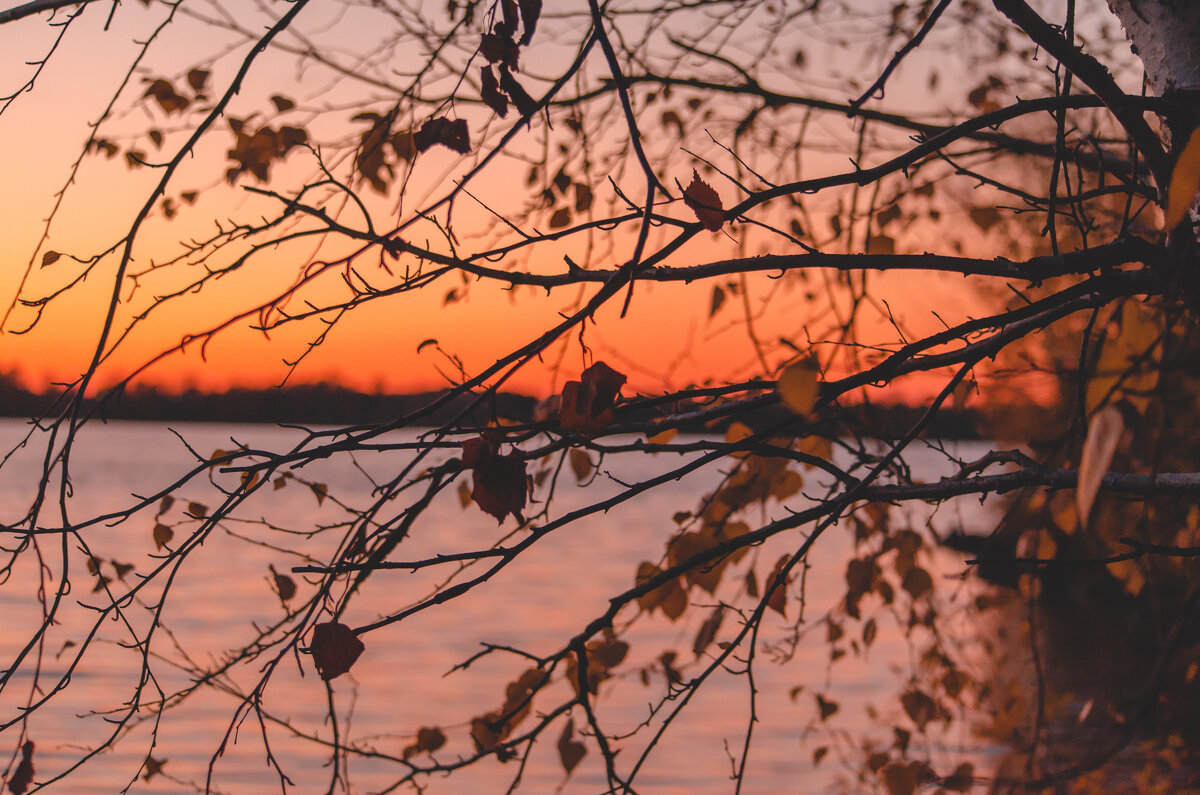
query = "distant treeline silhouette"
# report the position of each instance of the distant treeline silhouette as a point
(329, 404)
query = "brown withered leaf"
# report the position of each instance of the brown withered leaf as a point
(196, 78)
(530, 11)
(334, 648)
(778, 600)
(705, 203)
(826, 708)
(519, 96)
(499, 48)
(561, 218)
(581, 464)
(587, 404)
(121, 568)
(162, 535)
(320, 491)
(919, 707)
(49, 258)
(489, 92)
(450, 133)
(285, 586)
(717, 300)
(570, 751)
(152, 767)
(583, 197)
(22, 777)
(282, 104)
(167, 98)
(708, 631)
(500, 483)
(429, 739)
(371, 161)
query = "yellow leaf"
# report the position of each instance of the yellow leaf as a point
(1104, 431)
(464, 493)
(1185, 182)
(798, 386)
(662, 437)
(736, 432)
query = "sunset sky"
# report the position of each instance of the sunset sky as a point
(667, 339)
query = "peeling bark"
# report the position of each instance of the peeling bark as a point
(1165, 35)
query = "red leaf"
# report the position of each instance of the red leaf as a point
(334, 648)
(705, 203)
(23, 776)
(489, 92)
(587, 403)
(450, 133)
(500, 484)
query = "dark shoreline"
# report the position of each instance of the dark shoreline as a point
(328, 404)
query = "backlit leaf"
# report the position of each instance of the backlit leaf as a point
(335, 648)
(581, 464)
(500, 483)
(708, 631)
(197, 509)
(1185, 183)
(798, 386)
(1104, 431)
(50, 257)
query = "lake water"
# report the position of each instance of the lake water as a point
(224, 591)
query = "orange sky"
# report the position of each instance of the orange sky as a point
(667, 339)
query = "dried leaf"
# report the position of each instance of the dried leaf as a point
(826, 708)
(530, 11)
(525, 103)
(586, 405)
(152, 767)
(450, 133)
(49, 258)
(196, 78)
(561, 218)
(708, 631)
(22, 777)
(581, 464)
(718, 298)
(919, 707)
(282, 104)
(500, 483)
(798, 386)
(570, 752)
(583, 197)
(489, 92)
(165, 95)
(1104, 431)
(705, 203)
(197, 509)
(162, 535)
(285, 586)
(1185, 183)
(334, 648)
(320, 491)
